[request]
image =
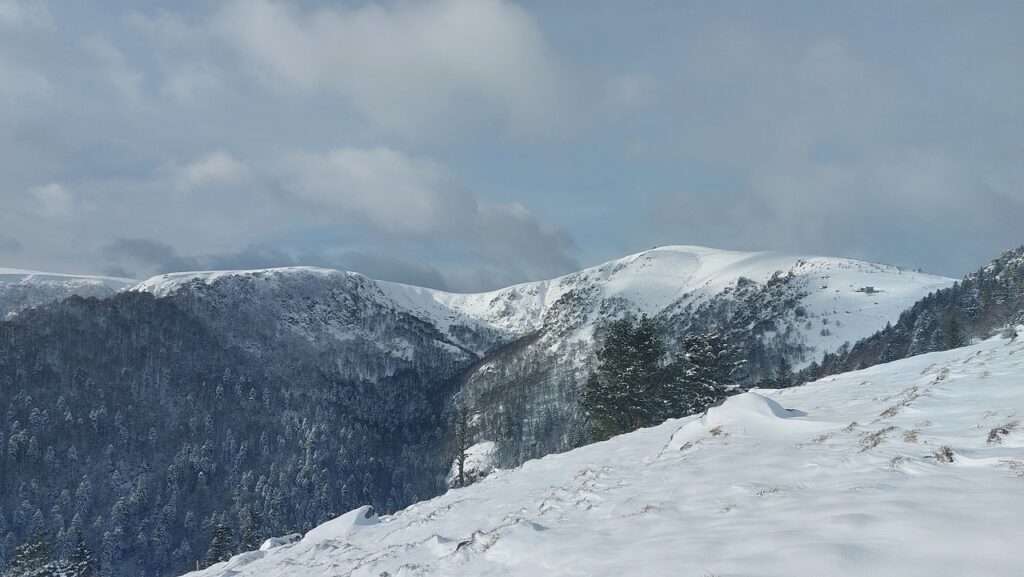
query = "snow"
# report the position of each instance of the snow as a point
(649, 282)
(342, 526)
(166, 284)
(22, 289)
(836, 477)
(24, 276)
(654, 280)
(478, 464)
(275, 542)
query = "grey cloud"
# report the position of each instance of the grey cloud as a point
(151, 255)
(406, 197)
(8, 244)
(823, 147)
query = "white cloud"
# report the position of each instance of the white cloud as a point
(388, 192)
(382, 187)
(119, 73)
(53, 201)
(21, 82)
(406, 65)
(25, 13)
(218, 167)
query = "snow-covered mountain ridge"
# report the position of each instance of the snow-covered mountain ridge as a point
(651, 282)
(21, 289)
(913, 468)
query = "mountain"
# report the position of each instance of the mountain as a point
(912, 468)
(268, 401)
(22, 289)
(533, 344)
(983, 303)
(770, 305)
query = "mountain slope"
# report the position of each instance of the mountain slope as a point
(981, 304)
(769, 305)
(836, 477)
(668, 279)
(22, 289)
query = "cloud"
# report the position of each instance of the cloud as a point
(406, 65)
(218, 167)
(386, 189)
(824, 158)
(152, 255)
(8, 244)
(25, 14)
(53, 201)
(407, 197)
(120, 74)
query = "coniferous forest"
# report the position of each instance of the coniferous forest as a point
(146, 432)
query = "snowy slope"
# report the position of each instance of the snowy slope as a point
(659, 280)
(21, 289)
(320, 302)
(832, 478)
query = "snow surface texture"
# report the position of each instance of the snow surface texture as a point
(23, 289)
(844, 476)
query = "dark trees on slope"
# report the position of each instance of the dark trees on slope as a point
(623, 394)
(636, 385)
(138, 422)
(221, 546)
(36, 559)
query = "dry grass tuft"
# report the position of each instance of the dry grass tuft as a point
(872, 440)
(943, 454)
(996, 435)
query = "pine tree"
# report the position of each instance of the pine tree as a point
(783, 374)
(81, 561)
(221, 544)
(955, 334)
(706, 372)
(251, 531)
(31, 559)
(622, 395)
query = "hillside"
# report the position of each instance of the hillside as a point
(983, 303)
(849, 475)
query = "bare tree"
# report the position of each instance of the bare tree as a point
(463, 441)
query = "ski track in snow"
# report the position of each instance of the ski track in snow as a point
(836, 477)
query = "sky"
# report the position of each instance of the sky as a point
(473, 144)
